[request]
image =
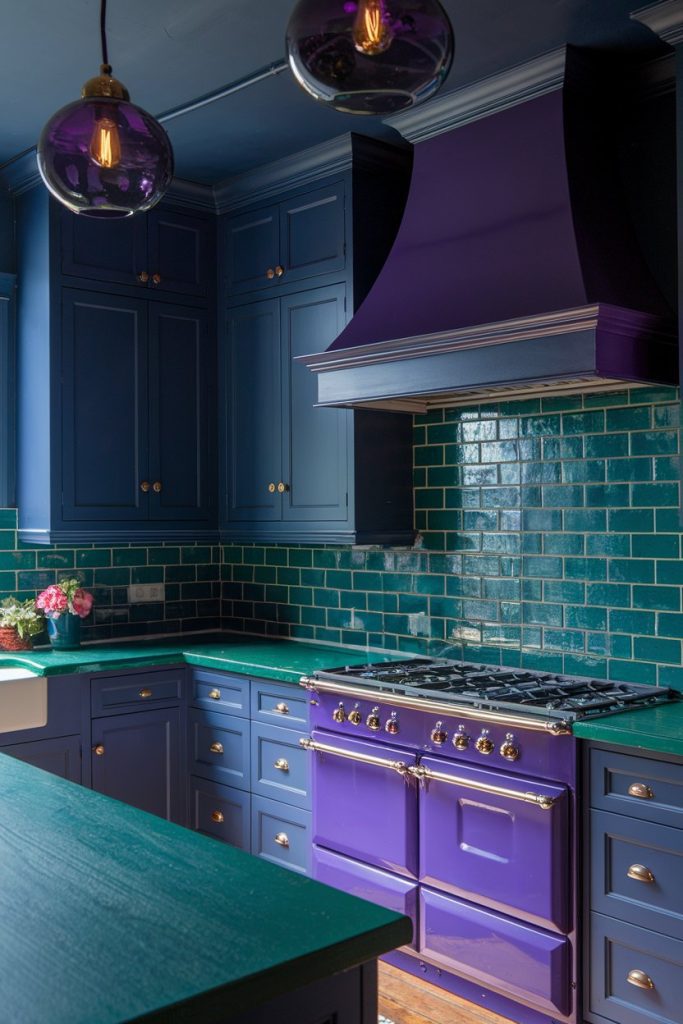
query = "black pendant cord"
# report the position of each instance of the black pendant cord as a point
(103, 31)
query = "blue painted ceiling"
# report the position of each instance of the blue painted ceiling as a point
(168, 52)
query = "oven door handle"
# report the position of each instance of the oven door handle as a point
(380, 762)
(427, 774)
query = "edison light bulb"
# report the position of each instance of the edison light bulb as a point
(105, 144)
(371, 30)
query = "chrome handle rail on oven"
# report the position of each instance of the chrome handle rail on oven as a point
(555, 726)
(381, 762)
(427, 774)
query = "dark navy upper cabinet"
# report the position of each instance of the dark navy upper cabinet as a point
(167, 251)
(299, 238)
(291, 471)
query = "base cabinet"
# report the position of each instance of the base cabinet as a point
(221, 812)
(61, 756)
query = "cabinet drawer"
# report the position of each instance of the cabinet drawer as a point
(281, 834)
(279, 704)
(279, 766)
(219, 748)
(219, 691)
(221, 812)
(637, 786)
(617, 951)
(112, 694)
(636, 872)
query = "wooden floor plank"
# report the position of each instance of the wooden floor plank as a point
(405, 999)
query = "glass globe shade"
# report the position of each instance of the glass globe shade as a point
(370, 56)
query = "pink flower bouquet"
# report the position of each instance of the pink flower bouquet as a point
(65, 596)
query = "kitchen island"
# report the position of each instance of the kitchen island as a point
(109, 914)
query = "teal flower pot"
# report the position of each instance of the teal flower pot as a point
(65, 632)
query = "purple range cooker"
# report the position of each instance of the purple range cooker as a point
(447, 791)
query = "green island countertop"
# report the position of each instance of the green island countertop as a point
(286, 660)
(110, 914)
(659, 728)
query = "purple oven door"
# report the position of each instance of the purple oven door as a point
(364, 805)
(498, 839)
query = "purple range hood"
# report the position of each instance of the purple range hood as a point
(515, 269)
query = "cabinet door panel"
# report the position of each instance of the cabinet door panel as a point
(112, 251)
(140, 763)
(179, 401)
(221, 812)
(104, 388)
(61, 756)
(253, 409)
(312, 233)
(315, 441)
(178, 250)
(251, 245)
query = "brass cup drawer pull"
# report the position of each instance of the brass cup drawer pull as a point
(271, 488)
(145, 486)
(282, 839)
(143, 277)
(640, 790)
(218, 817)
(282, 764)
(640, 979)
(216, 748)
(145, 694)
(157, 486)
(99, 749)
(215, 694)
(640, 873)
(156, 278)
(282, 708)
(282, 488)
(270, 273)
(279, 271)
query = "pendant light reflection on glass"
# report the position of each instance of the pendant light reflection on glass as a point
(370, 56)
(102, 156)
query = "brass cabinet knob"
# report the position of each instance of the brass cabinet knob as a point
(282, 708)
(156, 486)
(339, 715)
(143, 277)
(216, 748)
(438, 734)
(144, 486)
(282, 764)
(640, 979)
(270, 273)
(355, 717)
(282, 839)
(271, 488)
(372, 721)
(156, 278)
(509, 749)
(640, 790)
(639, 873)
(282, 488)
(215, 694)
(99, 749)
(279, 271)
(484, 744)
(218, 817)
(145, 694)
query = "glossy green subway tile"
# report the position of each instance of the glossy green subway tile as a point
(657, 598)
(312, 578)
(631, 520)
(8, 581)
(466, 542)
(532, 543)
(428, 584)
(605, 400)
(632, 672)
(660, 495)
(541, 565)
(615, 645)
(607, 495)
(163, 556)
(340, 579)
(583, 471)
(412, 604)
(325, 598)
(456, 454)
(290, 577)
(585, 568)
(670, 675)
(563, 447)
(670, 571)
(532, 496)
(367, 580)
(612, 595)
(359, 601)
(55, 559)
(510, 566)
(564, 591)
(444, 476)
(632, 570)
(482, 430)
(323, 559)
(541, 472)
(7, 540)
(654, 442)
(497, 497)
(448, 519)
(668, 624)
(115, 577)
(500, 451)
(419, 433)
(561, 403)
(17, 560)
(640, 469)
(510, 611)
(263, 574)
(398, 581)
(542, 661)
(621, 621)
(584, 665)
(481, 565)
(663, 545)
(144, 573)
(585, 520)
(667, 520)
(429, 455)
(585, 617)
(538, 426)
(647, 648)
(433, 416)
(606, 446)
(129, 556)
(667, 415)
(508, 427)
(477, 475)
(541, 520)
(274, 556)
(563, 544)
(503, 543)
(541, 613)
(463, 586)
(301, 595)
(501, 589)
(589, 422)
(530, 448)
(629, 418)
(8, 519)
(564, 639)
(657, 393)
(442, 433)
(509, 473)
(183, 573)
(667, 467)
(445, 607)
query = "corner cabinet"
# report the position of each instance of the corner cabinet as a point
(292, 273)
(116, 376)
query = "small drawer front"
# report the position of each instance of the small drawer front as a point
(636, 975)
(523, 962)
(368, 883)
(637, 872)
(279, 704)
(221, 812)
(281, 834)
(638, 786)
(219, 691)
(279, 766)
(219, 748)
(113, 694)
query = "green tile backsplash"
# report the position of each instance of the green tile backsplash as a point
(549, 537)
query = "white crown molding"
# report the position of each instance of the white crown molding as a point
(481, 99)
(665, 19)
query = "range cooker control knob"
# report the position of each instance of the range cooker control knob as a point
(509, 748)
(461, 740)
(438, 734)
(392, 724)
(355, 717)
(372, 721)
(484, 744)
(339, 715)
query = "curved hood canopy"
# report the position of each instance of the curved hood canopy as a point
(515, 269)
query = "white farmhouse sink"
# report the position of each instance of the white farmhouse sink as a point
(23, 700)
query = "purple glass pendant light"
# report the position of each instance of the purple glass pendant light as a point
(102, 156)
(370, 56)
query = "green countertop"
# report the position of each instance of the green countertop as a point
(659, 728)
(286, 660)
(108, 913)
